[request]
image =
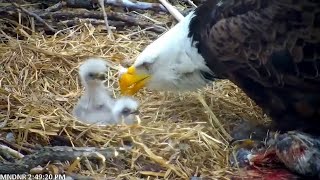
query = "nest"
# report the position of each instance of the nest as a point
(179, 135)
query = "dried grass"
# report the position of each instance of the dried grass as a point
(180, 135)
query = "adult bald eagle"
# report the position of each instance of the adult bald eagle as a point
(268, 48)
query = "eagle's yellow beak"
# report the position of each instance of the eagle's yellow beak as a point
(131, 82)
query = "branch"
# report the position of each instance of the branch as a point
(120, 3)
(101, 2)
(55, 7)
(113, 16)
(57, 153)
(77, 176)
(192, 3)
(136, 5)
(16, 147)
(35, 16)
(175, 13)
(76, 21)
(11, 151)
(187, 11)
(6, 9)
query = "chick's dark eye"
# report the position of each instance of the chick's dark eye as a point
(146, 65)
(125, 111)
(90, 74)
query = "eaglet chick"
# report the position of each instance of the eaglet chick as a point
(96, 105)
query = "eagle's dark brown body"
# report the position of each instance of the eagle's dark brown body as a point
(271, 50)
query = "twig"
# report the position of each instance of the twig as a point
(11, 152)
(187, 11)
(17, 147)
(35, 16)
(192, 3)
(57, 153)
(113, 24)
(213, 117)
(6, 9)
(76, 21)
(78, 176)
(120, 3)
(101, 2)
(147, 17)
(175, 13)
(136, 5)
(162, 161)
(113, 16)
(55, 7)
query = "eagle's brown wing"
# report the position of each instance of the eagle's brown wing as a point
(270, 49)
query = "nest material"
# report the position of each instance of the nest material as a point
(180, 135)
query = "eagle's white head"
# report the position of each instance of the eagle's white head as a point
(170, 63)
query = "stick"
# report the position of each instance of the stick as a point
(213, 117)
(175, 13)
(35, 16)
(112, 24)
(57, 153)
(16, 147)
(11, 152)
(73, 22)
(77, 176)
(113, 16)
(192, 3)
(101, 2)
(177, 170)
(120, 3)
(136, 5)
(187, 11)
(55, 7)
(6, 9)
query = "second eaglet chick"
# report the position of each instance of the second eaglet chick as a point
(96, 106)
(125, 109)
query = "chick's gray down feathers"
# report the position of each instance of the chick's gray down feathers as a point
(96, 105)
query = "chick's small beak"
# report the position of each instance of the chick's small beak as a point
(136, 112)
(130, 82)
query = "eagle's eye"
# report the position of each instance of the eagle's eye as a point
(146, 65)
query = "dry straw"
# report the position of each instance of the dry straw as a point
(180, 135)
